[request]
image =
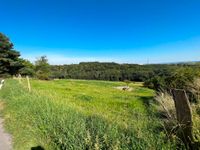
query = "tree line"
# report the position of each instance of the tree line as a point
(110, 71)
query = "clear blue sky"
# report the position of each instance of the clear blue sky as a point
(124, 31)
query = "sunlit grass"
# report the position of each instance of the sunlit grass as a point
(78, 114)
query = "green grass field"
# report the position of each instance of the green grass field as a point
(78, 114)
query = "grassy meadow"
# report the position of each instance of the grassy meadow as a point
(80, 114)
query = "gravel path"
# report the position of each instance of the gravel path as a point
(5, 139)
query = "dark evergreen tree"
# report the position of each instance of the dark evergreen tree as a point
(9, 58)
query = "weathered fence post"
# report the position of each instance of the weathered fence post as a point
(184, 116)
(20, 78)
(1, 83)
(28, 82)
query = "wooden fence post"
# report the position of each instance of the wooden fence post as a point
(184, 116)
(20, 78)
(1, 83)
(28, 82)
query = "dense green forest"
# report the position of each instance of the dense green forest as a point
(115, 72)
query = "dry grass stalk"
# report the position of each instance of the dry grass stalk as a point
(167, 104)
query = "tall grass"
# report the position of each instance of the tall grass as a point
(166, 107)
(36, 119)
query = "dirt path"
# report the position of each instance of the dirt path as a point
(5, 139)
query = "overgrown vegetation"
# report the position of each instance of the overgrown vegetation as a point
(173, 128)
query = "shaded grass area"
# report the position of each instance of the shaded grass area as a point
(76, 114)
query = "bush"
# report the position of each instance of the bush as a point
(157, 83)
(182, 78)
(42, 76)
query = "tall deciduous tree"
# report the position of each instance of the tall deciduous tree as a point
(9, 58)
(42, 68)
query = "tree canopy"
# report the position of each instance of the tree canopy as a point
(9, 58)
(42, 68)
